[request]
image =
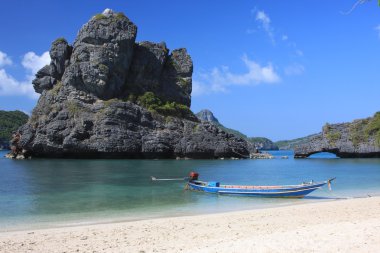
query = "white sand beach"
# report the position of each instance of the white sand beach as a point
(336, 226)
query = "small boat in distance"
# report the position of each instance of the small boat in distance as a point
(282, 191)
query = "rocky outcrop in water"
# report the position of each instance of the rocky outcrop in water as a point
(108, 96)
(360, 138)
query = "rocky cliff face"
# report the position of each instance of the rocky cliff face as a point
(360, 138)
(108, 96)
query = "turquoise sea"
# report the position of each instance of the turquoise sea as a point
(43, 193)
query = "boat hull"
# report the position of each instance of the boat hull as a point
(281, 192)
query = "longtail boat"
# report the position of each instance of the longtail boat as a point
(280, 191)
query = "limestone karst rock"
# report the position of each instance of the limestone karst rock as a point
(360, 138)
(108, 96)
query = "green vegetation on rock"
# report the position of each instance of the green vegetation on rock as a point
(99, 16)
(258, 139)
(111, 101)
(10, 121)
(363, 130)
(333, 137)
(233, 131)
(73, 107)
(60, 40)
(120, 15)
(357, 133)
(290, 144)
(154, 104)
(373, 128)
(56, 88)
(103, 68)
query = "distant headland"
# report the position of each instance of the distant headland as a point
(256, 143)
(358, 139)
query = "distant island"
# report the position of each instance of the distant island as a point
(107, 96)
(259, 143)
(359, 138)
(291, 144)
(10, 121)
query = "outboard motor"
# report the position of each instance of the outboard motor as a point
(193, 176)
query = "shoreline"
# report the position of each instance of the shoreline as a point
(118, 218)
(350, 225)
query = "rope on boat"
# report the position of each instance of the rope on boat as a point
(329, 182)
(168, 179)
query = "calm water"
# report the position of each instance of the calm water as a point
(50, 192)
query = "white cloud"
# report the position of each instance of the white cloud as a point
(33, 62)
(377, 29)
(294, 69)
(299, 53)
(4, 59)
(261, 16)
(265, 22)
(9, 86)
(219, 79)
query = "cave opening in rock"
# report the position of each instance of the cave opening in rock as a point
(327, 155)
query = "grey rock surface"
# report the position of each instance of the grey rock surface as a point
(102, 55)
(84, 108)
(345, 140)
(207, 115)
(49, 75)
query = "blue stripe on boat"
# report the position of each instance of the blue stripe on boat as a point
(290, 191)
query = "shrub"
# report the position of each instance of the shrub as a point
(357, 133)
(332, 137)
(103, 68)
(99, 16)
(154, 104)
(110, 102)
(373, 128)
(73, 107)
(56, 88)
(120, 15)
(60, 40)
(149, 101)
(326, 128)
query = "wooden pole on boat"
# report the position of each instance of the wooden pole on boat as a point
(169, 179)
(329, 182)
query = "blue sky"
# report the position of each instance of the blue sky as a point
(279, 69)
